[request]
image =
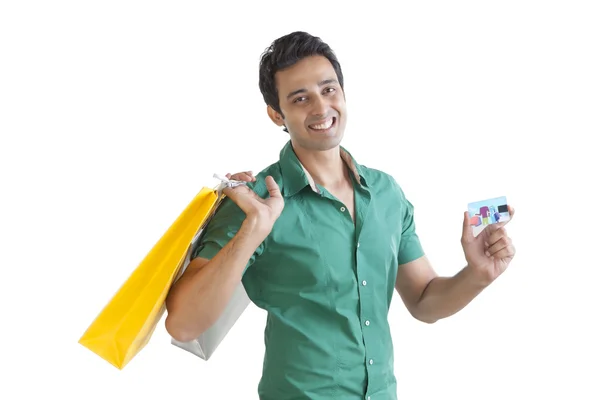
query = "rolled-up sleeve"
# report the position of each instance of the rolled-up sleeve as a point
(410, 247)
(223, 226)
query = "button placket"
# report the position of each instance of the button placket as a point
(367, 322)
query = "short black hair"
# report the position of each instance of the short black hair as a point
(287, 51)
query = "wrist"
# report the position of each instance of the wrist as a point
(256, 226)
(478, 277)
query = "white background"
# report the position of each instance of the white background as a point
(114, 114)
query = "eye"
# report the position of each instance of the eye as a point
(297, 99)
(329, 90)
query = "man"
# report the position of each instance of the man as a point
(321, 242)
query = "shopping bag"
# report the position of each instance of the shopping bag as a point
(125, 325)
(206, 344)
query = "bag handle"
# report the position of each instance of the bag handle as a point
(226, 183)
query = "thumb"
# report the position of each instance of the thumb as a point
(467, 232)
(272, 187)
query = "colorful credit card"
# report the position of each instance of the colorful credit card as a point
(486, 212)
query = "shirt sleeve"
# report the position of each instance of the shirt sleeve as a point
(223, 226)
(410, 247)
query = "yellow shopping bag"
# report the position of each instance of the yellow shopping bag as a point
(125, 325)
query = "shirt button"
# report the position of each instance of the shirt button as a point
(357, 245)
(371, 361)
(364, 283)
(343, 209)
(369, 398)
(367, 323)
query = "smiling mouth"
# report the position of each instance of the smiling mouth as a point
(325, 126)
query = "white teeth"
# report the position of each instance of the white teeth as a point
(326, 125)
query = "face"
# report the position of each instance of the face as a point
(313, 104)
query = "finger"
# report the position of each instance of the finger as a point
(507, 252)
(497, 234)
(250, 177)
(489, 230)
(238, 193)
(243, 176)
(272, 187)
(511, 213)
(247, 176)
(467, 233)
(228, 175)
(496, 247)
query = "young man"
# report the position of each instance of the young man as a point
(321, 242)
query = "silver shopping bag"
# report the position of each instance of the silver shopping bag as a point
(205, 345)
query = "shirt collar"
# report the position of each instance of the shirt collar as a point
(296, 177)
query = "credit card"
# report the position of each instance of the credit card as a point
(486, 212)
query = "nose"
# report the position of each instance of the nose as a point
(319, 108)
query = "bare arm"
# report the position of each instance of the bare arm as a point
(429, 297)
(198, 298)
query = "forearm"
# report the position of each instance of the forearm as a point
(445, 296)
(197, 300)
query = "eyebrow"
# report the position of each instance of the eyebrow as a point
(322, 83)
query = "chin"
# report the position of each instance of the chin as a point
(323, 143)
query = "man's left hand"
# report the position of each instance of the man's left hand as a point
(489, 254)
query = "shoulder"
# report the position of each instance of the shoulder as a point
(382, 182)
(259, 186)
(228, 217)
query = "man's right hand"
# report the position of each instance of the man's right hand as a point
(260, 213)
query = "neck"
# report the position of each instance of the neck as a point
(325, 167)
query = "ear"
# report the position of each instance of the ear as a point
(275, 116)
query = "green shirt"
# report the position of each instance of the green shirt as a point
(325, 281)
